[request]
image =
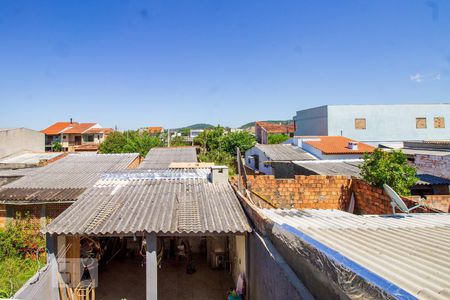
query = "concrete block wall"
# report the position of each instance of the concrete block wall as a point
(433, 164)
(317, 191)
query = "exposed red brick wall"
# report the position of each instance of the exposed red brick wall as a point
(34, 211)
(31, 210)
(374, 201)
(46, 162)
(439, 202)
(324, 192)
(136, 162)
(54, 210)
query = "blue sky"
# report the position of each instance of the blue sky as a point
(174, 63)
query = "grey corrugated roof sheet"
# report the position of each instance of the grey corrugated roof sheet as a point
(410, 251)
(149, 201)
(161, 158)
(331, 168)
(74, 171)
(30, 196)
(29, 158)
(284, 152)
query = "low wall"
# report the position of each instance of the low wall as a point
(372, 200)
(35, 211)
(317, 191)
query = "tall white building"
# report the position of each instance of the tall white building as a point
(376, 123)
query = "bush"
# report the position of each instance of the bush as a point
(389, 168)
(277, 138)
(56, 147)
(22, 253)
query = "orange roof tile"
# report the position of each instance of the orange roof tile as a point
(57, 128)
(154, 129)
(79, 128)
(276, 128)
(100, 130)
(337, 145)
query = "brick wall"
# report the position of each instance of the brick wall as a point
(51, 211)
(332, 192)
(373, 200)
(322, 192)
(433, 164)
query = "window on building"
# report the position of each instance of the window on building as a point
(421, 123)
(88, 137)
(360, 123)
(439, 122)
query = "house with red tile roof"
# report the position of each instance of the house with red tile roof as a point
(155, 130)
(332, 147)
(75, 136)
(264, 129)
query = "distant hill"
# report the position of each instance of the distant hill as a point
(197, 126)
(284, 122)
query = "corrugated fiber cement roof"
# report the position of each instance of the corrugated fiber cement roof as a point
(161, 158)
(284, 152)
(411, 251)
(150, 201)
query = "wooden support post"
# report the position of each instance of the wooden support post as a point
(73, 256)
(152, 267)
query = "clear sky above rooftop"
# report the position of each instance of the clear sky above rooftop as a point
(174, 63)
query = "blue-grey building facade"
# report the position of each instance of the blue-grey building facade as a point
(377, 123)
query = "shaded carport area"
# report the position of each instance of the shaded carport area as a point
(157, 234)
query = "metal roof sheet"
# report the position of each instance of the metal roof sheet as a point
(332, 167)
(74, 171)
(428, 179)
(161, 158)
(148, 201)
(411, 251)
(284, 152)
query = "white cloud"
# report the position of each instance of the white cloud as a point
(425, 77)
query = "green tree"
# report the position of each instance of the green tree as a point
(389, 168)
(179, 141)
(114, 143)
(130, 142)
(277, 138)
(242, 139)
(210, 139)
(57, 147)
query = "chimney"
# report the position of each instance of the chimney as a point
(219, 174)
(70, 120)
(353, 145)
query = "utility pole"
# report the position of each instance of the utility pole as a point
(168, 137)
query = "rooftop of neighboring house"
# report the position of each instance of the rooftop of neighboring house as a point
(276, 128)
(57, 128)
(348, 167)
(28, 159)
(155, 129)
(162, 157)
(190, 201)
(284, 152)
(78, 128)
(336, 144)
(75, 128)
(401, 256)
(64, 179)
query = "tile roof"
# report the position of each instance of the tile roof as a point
(154, 129)
(99, 130)
(164, 202)
(284, 152)
(277, 128)
(332, 167)
(162, 157)
(57, 128)
(79, 128)
(337, 145)
(410, 252)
